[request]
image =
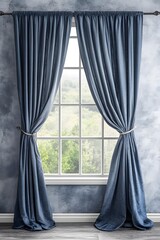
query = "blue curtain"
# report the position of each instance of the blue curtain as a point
(41, 40)
(110, 46)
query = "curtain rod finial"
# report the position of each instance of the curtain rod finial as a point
(156, 13)
(1, 13)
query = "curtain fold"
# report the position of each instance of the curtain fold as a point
(41, 41)
(110, 47)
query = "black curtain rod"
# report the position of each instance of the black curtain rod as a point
(156, 13)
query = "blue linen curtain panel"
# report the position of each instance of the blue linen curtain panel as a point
(110, 46)
(41, 40)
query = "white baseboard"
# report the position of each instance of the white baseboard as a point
(72, 217)
(155, 217)
(58, 217)
(75, 217)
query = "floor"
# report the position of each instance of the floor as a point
(79, 232)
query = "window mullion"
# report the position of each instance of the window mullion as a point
(60, 134)
(80, 121)
(102, 147)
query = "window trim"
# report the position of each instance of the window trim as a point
(77, 179)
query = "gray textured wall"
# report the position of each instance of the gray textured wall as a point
(82, 198)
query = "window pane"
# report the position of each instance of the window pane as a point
(91, 121)
(56, 100)
(110, 132)
(51, 126)
(70, 86)
(49, 154)
(72, 58)
(86, 94)
(70, 121)
(109, 146)
(70, 156)
(73, 32)
(91, 156)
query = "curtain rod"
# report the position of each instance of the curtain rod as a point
(156, 13)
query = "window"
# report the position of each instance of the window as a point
(75, 141)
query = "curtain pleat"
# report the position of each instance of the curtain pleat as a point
(110, 47)
(41, 40)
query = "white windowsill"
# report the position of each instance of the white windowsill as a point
(75, 180)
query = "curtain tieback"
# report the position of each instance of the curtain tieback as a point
(26, 133)
(129, 131)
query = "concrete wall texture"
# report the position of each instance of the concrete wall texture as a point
(82, 198)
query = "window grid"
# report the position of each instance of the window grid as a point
(80, 117)
(60, 129)
(60, 138)
(102, 148)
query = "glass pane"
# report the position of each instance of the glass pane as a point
(48, 150)
(70, 121)
(81, 64)
(110, 132)
(73, 32)
(70, 156)
(56, 100)
(51, 126)
(72, 58)
(109, 146)
(91, 156)
(70, 86)
(91, 121)
(86, 94)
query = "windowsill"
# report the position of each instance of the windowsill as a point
(76, 180)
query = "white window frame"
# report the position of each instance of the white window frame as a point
(77, 179)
